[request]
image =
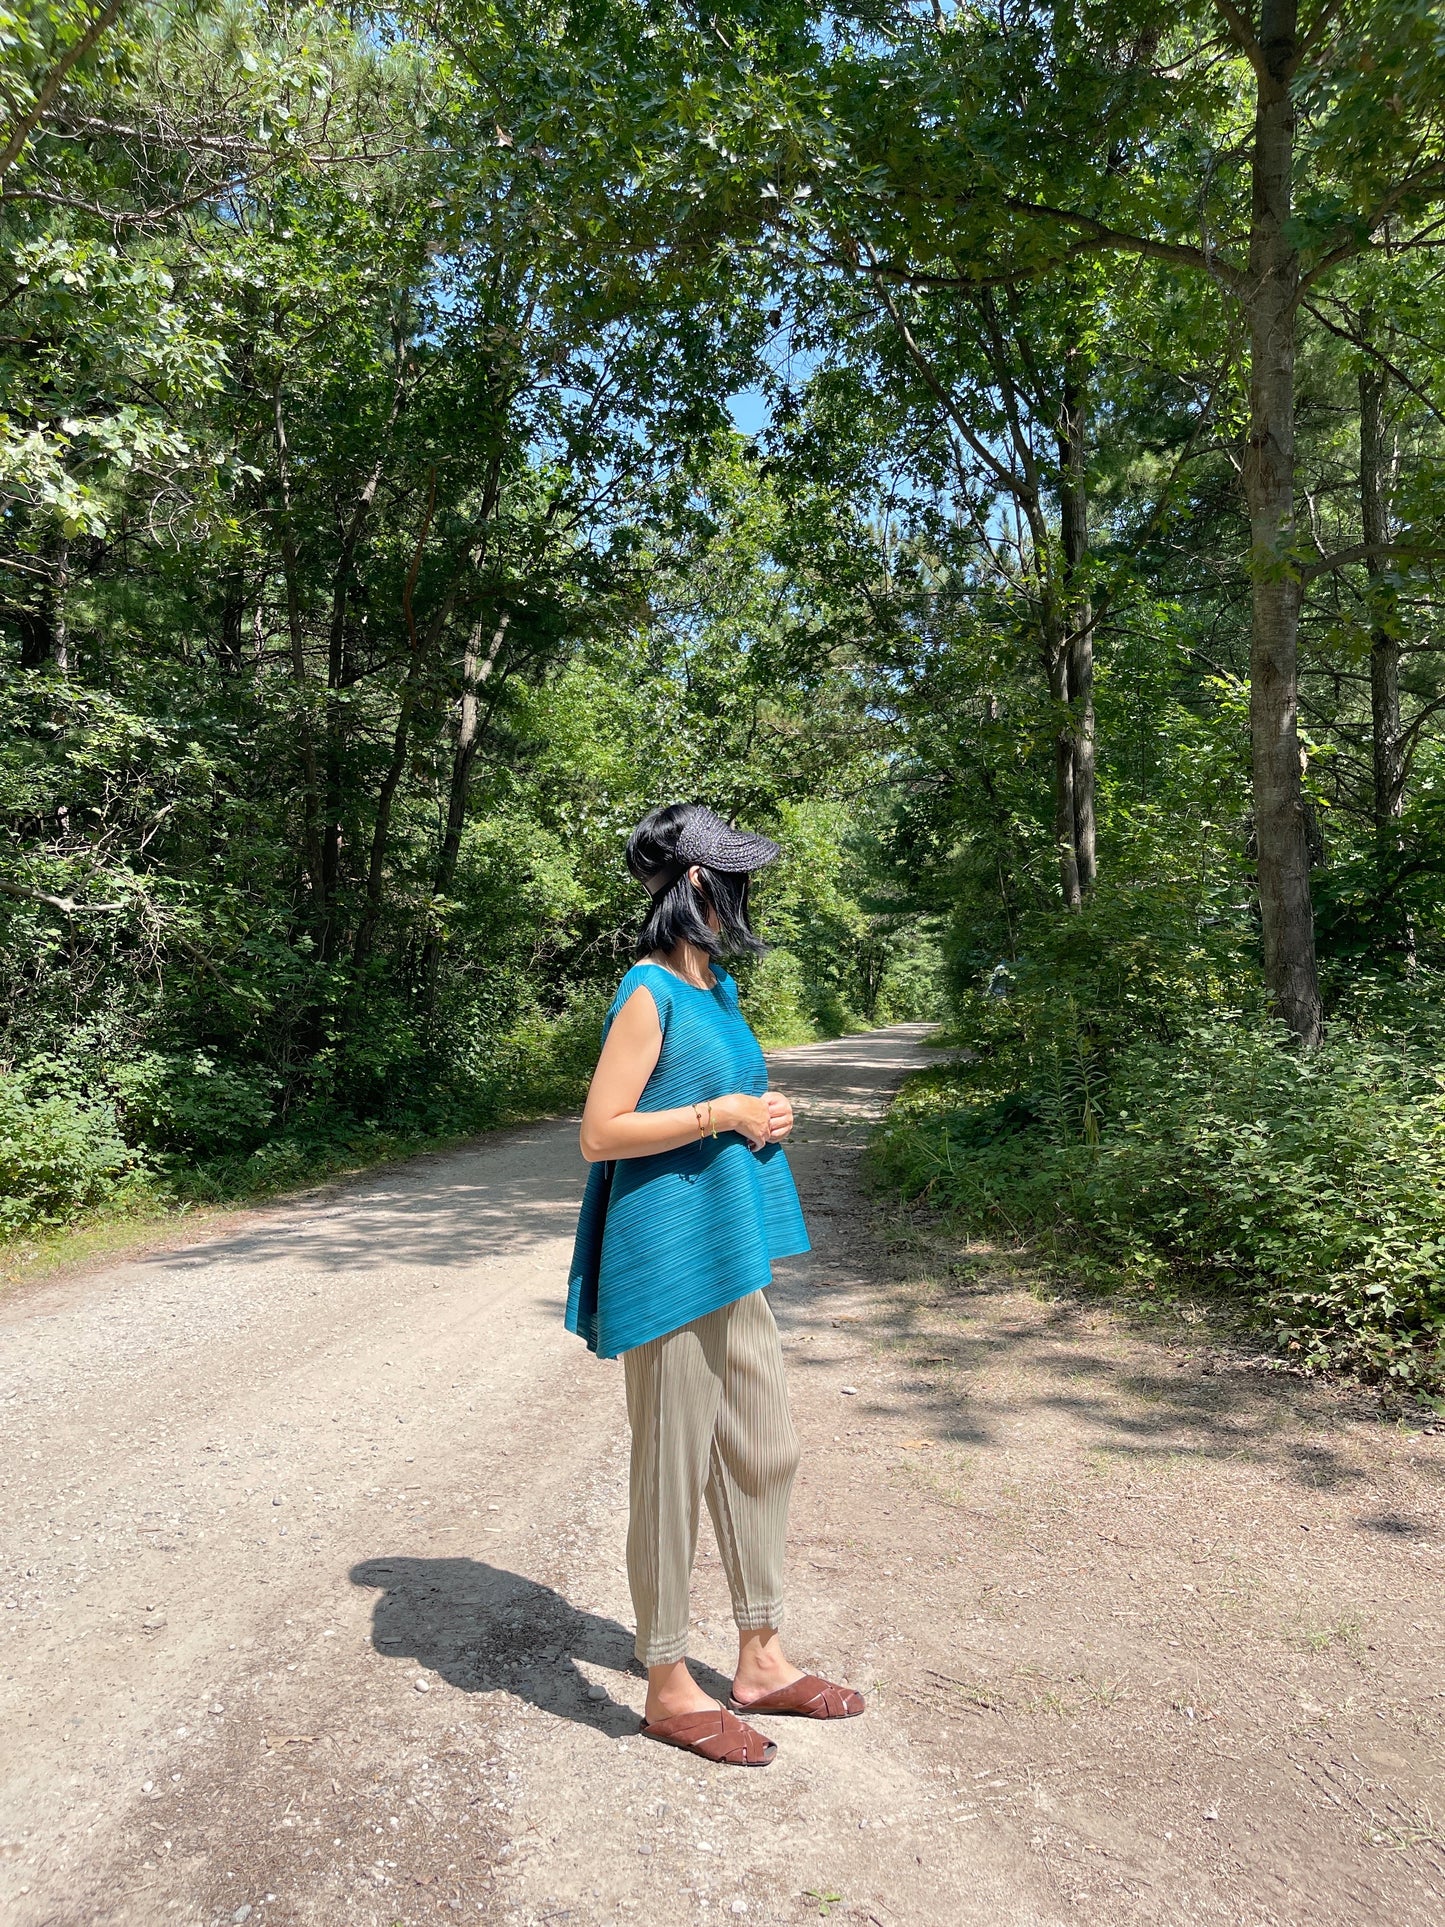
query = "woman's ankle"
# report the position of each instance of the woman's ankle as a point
(762, 1663)
(672, 1690)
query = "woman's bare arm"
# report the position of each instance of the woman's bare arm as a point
(612, 1125)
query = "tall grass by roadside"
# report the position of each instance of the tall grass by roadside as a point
(1201, 1149)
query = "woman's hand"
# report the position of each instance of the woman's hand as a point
(780, 1115)
(748, 1116)
(761, 1120)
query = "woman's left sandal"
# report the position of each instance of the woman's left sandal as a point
(714, 1735)
(810, 1698)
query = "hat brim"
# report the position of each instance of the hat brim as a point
(722, 848)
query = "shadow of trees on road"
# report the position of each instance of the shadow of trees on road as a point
(985, 1364)
(453, 1210)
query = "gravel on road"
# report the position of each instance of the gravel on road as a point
(314, 1608)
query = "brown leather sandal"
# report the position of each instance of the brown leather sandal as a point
(811, 1698)
(714, 1735)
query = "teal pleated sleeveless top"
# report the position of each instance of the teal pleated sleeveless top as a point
(687, 1231)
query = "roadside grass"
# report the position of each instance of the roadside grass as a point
(1292, 1209)
(943, 1261)
(1321, 1639)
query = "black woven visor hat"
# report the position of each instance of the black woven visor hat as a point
(705, 838)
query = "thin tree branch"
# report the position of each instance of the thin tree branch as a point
(1105, 236)
(1410, 740)
(1378, 355)
(411, 575)
(1362, 552)
(1003, 475)
(54, 80)
(1310, 40)
(66, 906)
(1384, 207)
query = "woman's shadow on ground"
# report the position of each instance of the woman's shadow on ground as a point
(486, 1630)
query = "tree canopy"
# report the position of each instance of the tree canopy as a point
(997, 450)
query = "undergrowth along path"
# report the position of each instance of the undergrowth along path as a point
(314, 1609)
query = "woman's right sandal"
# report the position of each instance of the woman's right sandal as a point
(714, 1735)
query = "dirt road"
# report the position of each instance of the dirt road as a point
(314, 1609)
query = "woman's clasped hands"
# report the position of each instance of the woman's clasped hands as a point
(761, 1120)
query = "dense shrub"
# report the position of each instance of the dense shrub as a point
(58, 1157)
(1315, 1183)
(540, 1065)
(186, 1101)
(239, 1048)
(1165, 1145)
(65, 1153)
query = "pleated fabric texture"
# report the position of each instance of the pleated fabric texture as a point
(708, 1407)
(691, 1230)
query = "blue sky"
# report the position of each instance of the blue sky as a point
(749, 410)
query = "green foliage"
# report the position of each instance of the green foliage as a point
(187, 1102)
(374, 550)
(59, 1156)
(1184, 1142)
(537, 1066)
(778, 1000)
(1315, 1184)
(376, 547)
(846, 958)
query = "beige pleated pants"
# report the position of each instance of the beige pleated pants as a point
(708, 1407)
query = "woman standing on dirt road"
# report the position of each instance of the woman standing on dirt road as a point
(689, 1201)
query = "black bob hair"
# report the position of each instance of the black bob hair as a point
(679, 912)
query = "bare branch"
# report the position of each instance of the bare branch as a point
(1411, 736)
(1363, 551)
(1100, 233)
(53, 82)
(1003, 475)
(65, 906)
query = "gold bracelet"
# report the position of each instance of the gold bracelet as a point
(710, 1123)
(697, 1118)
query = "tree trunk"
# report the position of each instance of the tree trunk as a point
(311, 775)
(37, 630)
(60, 645)
(233, 618)
(1286, 913)
(1068, 659)
(310, 769)
(1081, 696)
(44, 641)
(401, 736)
(337, 677)
(1386, 735)
(381, 828)
(476, 670)
(337, 666)
(1079, 619)
(1056, 659)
